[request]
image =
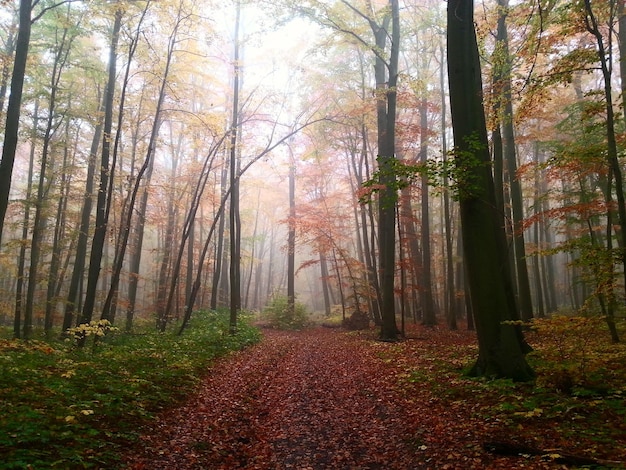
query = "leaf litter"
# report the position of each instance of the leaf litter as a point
(326, 399)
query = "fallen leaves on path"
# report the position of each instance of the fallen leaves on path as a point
(320, 399)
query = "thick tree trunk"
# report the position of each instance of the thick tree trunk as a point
(386, 81)
(501, 346)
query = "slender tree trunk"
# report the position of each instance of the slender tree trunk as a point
(54, 278)
(83, 233)
(102, 204)
(12, 122)
(428, 306)
(219, 250)
(612, 151)
(235, 223)
(252, 251)
(46, 180)
(270, 267)
(5, 74)
(163, 313)
(170, 270)
(547, 238)
(510, 157)
(19, 288)
(412, 242)
(136, 234)
(621, 39)
(291, 240)
(365, 213)
(450, 292)
(126, 222)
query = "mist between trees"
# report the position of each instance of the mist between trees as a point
(381, 162)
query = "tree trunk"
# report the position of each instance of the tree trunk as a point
(46, 180)
(291, 240)
(450, 291)
(219, 249)
(365, 213)
(83, 233)
(510, 157)
(428, 306)
(102, 215)
(540, 303)
(621, 39)
(253, 249)
(12, 122)
(501, 346)
(386, 81)
(6, 66)
(19, 288)
(54, 274)
(612, 151)
(235, 223)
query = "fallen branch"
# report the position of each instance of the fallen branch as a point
(507, 448)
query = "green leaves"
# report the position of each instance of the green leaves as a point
(280, 316)
(459, 174)
(58, 400)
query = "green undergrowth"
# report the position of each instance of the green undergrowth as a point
(67, 407)
(578, 401)
(277, 314)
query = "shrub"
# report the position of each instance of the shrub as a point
(357, 321)
(96, 328)
(278, 315)
(575, 353)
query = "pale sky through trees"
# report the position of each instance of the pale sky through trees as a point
(295, 70)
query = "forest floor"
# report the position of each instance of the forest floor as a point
(327, 399)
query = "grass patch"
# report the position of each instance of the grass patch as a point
(65, 407)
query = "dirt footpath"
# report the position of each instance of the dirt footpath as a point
(317, 399)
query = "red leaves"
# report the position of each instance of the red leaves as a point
(318, 399)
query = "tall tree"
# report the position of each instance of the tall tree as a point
(103, 200)
(234, 216)
(426, 293)
(605, 55)
(291, 238)
(504, 118)
(14, 107)
(386, 74)
(21, 264)
(60, 55)
(501, 346)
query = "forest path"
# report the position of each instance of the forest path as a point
(315, 399)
